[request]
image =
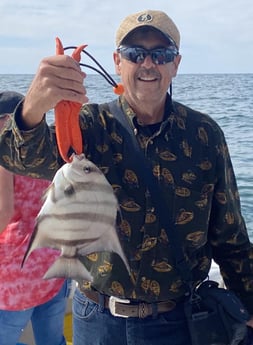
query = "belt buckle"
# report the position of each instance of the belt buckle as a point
(112, 306)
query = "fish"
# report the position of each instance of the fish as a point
(77, 217)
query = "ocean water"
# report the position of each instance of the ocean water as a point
(228, 98)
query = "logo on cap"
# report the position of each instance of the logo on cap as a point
(144, 18)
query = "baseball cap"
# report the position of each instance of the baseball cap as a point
(155, 19)
(8, 101)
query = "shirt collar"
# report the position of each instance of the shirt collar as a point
(168, 109)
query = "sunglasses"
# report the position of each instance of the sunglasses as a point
(159, 56)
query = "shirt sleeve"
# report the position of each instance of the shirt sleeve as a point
(34, 150)
(232, 249)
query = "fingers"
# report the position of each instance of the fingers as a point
(58, 78)
(62, 76)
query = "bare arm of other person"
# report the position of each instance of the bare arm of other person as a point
(6, 197)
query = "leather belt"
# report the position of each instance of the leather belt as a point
(125, 308)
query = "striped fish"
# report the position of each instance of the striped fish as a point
(78, 218)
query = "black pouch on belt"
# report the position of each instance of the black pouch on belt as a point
(216, 316)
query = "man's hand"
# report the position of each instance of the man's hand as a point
(58, 78)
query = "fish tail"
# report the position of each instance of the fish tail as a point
(65, 267)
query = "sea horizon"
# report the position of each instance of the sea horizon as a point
(226, 97)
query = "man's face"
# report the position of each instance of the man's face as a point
(145, 81)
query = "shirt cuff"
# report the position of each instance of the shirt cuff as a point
(20, 132)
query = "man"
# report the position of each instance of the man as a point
(188, 156)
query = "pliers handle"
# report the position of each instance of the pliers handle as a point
(68, 132)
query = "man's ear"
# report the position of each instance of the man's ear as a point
(176, 63)
(116, 59)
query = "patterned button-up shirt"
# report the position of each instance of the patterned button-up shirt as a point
(189, 157)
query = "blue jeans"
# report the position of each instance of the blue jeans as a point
(47, 321)
(94, 325)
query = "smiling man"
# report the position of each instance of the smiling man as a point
(188, 156)
(147, 59)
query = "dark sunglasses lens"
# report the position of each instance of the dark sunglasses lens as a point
(159, 56)
(133, 54)
(162, 56)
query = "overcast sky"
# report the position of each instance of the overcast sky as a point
(216, 35)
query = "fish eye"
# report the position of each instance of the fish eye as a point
(87, 169)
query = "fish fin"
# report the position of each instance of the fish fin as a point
(68, 268)
(52, 195)
(30, 246)
(108, 241)
(46, 192)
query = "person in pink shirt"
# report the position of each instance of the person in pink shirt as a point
(24, 294)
